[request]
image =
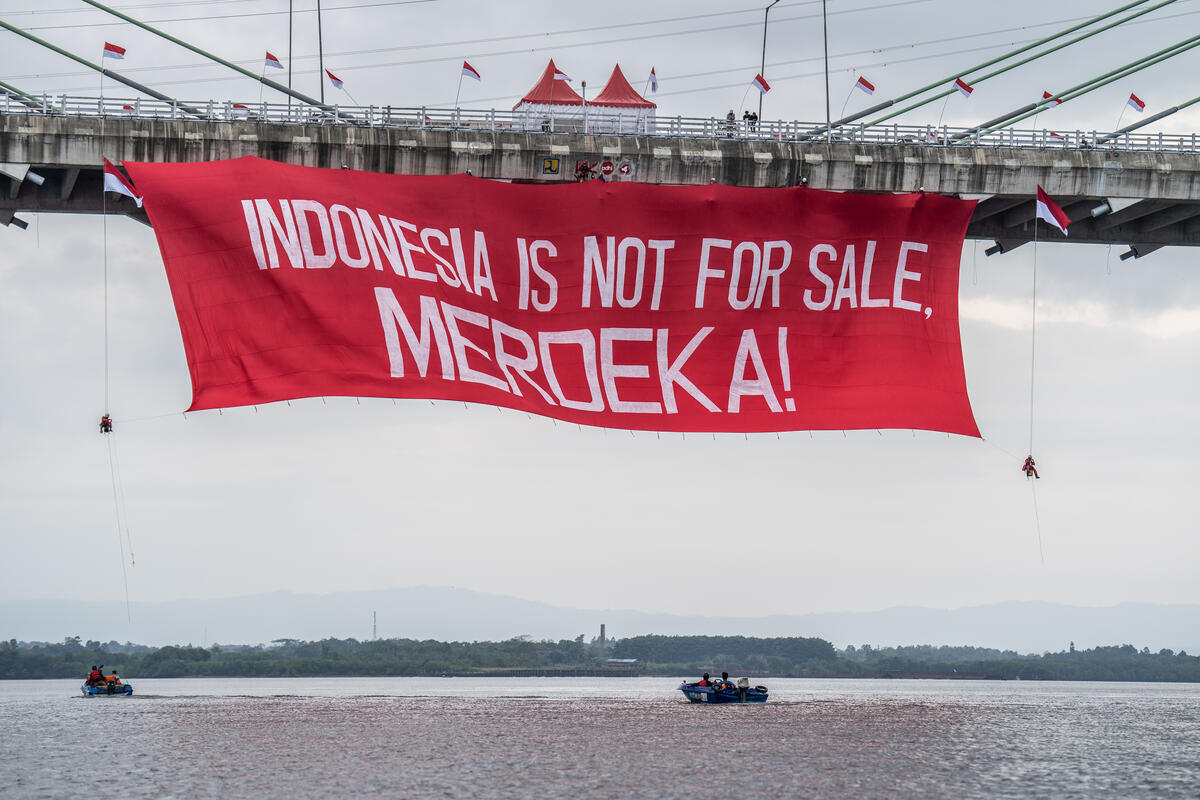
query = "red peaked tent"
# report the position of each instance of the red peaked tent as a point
(547, 93)
(617, 93)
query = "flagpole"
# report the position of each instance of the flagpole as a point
(943, 111)
(828, 116)
(458, 91)
(289, 51)
(320, 52)
(762, 69)
(842, 113)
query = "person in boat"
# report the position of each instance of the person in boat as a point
(1030, 467)
(95, 677)
(106, 424)
(113, 679)
(703, 681)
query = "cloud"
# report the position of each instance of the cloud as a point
(1168, 323)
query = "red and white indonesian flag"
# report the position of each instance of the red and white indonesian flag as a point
(865, 85)
(1051, 99)
(1136, 103)
(113, 50)
(114, 181)
(334, 79)
(559, 75)
(653, 81)
(963, 87)
(240, 110)
(1050, 211)
(470, 71)
(761, 84)
(272, 62)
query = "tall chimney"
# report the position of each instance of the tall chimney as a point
(602, 640)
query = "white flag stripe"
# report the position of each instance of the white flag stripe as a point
(115, 182)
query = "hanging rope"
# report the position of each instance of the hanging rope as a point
(1037, 519)
(117, 508)
(1032, 375)
(124, 507)
(1033, 334)
(104, 248)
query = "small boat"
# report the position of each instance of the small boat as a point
(724, 692)
(107, 690)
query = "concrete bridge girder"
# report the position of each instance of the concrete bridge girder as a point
(69, 151)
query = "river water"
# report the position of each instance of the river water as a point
(599, 738)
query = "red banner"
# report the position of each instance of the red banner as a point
(622, 305)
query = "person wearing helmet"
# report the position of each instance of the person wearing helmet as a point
(1029, 467)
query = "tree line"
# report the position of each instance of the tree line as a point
(637, 655)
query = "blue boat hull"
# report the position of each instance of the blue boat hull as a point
(124, 690)
(707, 694)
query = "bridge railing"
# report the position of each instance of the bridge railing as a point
(598, 121)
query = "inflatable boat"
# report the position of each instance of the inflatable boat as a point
(724, 692)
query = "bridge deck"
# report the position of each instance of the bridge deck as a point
(1154, 176)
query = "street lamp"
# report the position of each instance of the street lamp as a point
(763, 67)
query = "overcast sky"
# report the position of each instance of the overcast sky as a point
(337, 494)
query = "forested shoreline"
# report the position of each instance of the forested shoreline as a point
(800, 657)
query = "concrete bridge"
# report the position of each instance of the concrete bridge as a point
(1139, 191)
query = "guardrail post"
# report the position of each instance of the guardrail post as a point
(423, 116)
(492, 118)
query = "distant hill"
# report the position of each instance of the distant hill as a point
(443, 613)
